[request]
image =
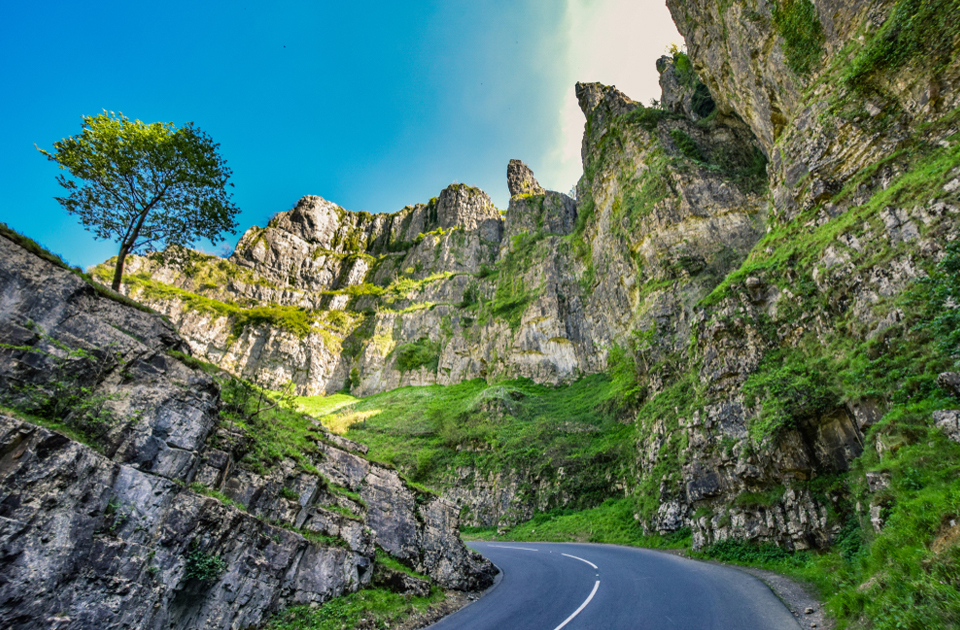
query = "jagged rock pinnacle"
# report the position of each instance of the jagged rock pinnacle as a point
(590, 95)
(520, 179)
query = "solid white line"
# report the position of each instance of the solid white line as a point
(520, 548)
(582, 606)
(580, 559)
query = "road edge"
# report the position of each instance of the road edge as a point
(796, 596)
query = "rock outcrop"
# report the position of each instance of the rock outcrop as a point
(520, 180)
(764, 212)
(125, 529)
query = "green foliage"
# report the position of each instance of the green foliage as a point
(65, 390)
(917, 30)
(795, 248)
(648, 117)
(701, 100)
(767, 498)
(939, 296)
(391, 562)
(747, 552)
(686, 144)
(199, 488)
(428, 431)
(512, 296)
(749, 171)
(146, 186)
(486, 271)
(203, 566)
(684, 68)
(289, 494)
(799, 25)
(194, 362)
(373, 608)
(789, 387)
(905, 575)
(296, 320)
(273, 429)
(610, 522)
(421, 353)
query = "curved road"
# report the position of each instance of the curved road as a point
(549, 586)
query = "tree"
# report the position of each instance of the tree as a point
(150, 187)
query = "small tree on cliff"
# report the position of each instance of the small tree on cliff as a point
(150, 187)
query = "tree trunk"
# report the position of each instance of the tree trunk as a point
(118, 273)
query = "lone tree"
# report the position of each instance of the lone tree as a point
(150, 187)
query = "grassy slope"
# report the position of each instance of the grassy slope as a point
(427, 431)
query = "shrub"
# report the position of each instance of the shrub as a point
(203, 566)
(421, 353)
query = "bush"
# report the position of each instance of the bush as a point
(420, 353)
(204, 567)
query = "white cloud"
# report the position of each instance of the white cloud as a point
(615, 42)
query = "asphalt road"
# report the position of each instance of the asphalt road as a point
(549, 586)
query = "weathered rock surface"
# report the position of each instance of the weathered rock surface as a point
(677, 251)
(520, 180)
(114, 539)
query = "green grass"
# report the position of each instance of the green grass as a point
(390, 562)
(318, 406)
(797, 246)
(610, 522)
(293, 319)
(799, 25)
(905, 576)
(427, 431)
(273, 434)
(216, 494)
(370, 608)
(917, 31)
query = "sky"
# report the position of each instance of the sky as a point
(372, 105)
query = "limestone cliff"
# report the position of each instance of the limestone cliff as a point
(121, 516)
(743, 251)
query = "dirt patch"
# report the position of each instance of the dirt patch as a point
(947, 538)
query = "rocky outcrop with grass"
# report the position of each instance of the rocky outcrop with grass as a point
(123, 505)
(757, 277)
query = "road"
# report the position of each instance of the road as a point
(573, 586)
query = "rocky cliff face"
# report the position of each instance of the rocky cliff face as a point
(847, 235)
(731, 250)
(128, 527)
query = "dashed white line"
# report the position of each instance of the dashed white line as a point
(520, 548)
(582, 606)
(580, 559)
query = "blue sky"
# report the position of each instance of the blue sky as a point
(373, 105)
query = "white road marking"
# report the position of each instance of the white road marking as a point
(520, 548)
(581, 560)
(582, 606)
